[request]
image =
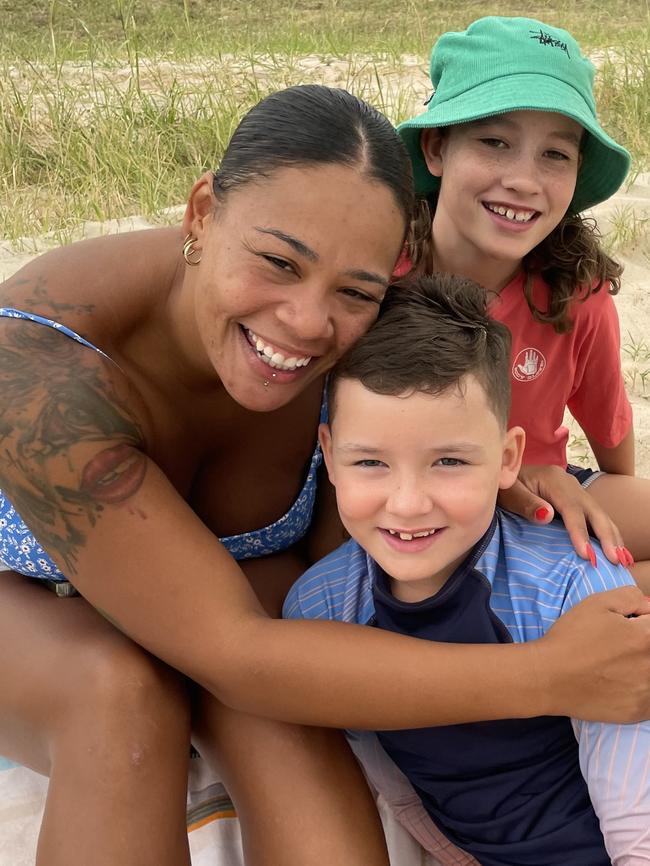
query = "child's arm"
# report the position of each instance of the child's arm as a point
(618, 460)
(614, 759)
(599, 401)
(555, 491)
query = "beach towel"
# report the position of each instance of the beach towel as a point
(214, 833)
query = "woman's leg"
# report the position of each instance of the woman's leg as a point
(109, 725)
(627, 501)
(299, 793)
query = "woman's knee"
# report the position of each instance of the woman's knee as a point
(115, 692)
(119, 674)
(73, 682)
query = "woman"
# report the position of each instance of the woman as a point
(187, 414)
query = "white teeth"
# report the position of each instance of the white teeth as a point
(274, 358)
(519, 216)
(409, 536)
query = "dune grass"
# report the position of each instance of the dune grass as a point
(87, 29)
(113, 108)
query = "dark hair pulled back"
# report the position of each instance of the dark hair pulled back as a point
(311, 124)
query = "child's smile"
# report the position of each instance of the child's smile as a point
(511, 214)
(417, 477)
(506, 182)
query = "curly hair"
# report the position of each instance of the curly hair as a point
(571, 260)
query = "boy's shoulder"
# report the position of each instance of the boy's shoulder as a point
(519, 532)
(544, 556)
(335, 587)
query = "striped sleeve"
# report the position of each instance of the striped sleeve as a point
(614, 759)
(337, 587)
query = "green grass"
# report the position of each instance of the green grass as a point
(113, 108)
(636, 364)
(90, 29)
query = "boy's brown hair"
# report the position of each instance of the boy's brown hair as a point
(430, 334)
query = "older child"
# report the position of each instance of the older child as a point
(417, 448)
(507, 154)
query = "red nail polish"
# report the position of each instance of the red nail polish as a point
(542, 513)
(591, 555)
(620, 553)
(628, 556)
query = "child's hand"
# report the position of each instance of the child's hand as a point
(541, 490)
(594, 662)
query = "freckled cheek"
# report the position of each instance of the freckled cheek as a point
(565, 194)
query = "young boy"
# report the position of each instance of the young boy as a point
(417, 448)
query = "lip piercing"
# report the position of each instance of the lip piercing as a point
(266, 382)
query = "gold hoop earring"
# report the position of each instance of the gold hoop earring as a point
(189, 250)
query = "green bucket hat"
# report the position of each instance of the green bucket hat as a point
(512, 64)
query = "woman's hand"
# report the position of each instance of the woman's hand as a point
(543, 490)
(594, 662)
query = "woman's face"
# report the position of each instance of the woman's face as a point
(293, 269)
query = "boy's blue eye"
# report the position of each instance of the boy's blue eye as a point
(369, 463)
(450, 461)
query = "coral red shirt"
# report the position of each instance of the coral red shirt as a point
(549, 371)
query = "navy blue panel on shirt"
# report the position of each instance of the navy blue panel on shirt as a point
(509, 792)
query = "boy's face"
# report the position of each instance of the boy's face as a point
(417, 477)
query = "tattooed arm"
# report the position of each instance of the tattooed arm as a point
(73, 460)
(56, 412)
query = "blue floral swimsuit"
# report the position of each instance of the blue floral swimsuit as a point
(20, 551)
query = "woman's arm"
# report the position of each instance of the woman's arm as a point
(74, 466)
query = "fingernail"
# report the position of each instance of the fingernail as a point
(628, 556)
(542, 513)
(591, 555)
(622, 558)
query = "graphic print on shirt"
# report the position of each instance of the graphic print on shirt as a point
(528, 365)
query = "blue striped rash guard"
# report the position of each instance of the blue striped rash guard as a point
(517, 792)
